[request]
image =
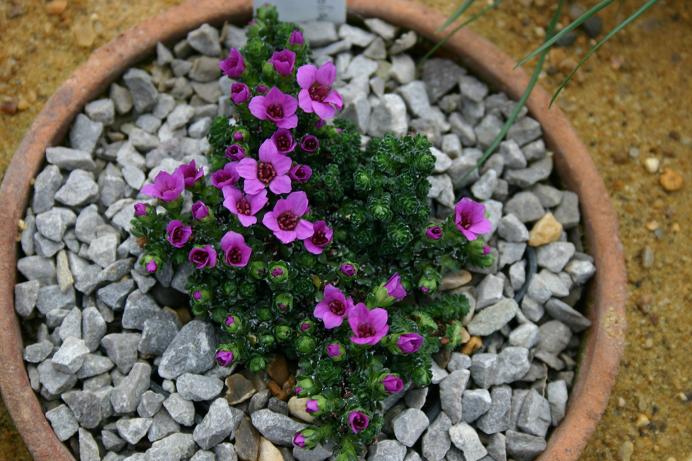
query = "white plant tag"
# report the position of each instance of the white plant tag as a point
(307, 10)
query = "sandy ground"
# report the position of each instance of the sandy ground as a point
(630, 104)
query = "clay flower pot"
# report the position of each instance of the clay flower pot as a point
(604, 341)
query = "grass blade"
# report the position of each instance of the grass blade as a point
(529, 88)
(473, 18)
(643, 9)
(456, 15)
(573, 25)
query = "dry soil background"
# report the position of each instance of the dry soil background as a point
(630, 104)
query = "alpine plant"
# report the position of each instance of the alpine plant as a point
(305, 243)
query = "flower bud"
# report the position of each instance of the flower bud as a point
(257, 364)
(267, 340)
(336, 351)
(226, 355)
(391, 383)
(409, 343)
(304, 387)
(151, 263)
(283, 332)
(434, 232)
(141, 209)
(258, 269)
(307, 438)
(232, 323)
(307, 326)
(454, 333)
(305, 344)
(201, 296)
(421, 377)
(348, 269)
(264, 314)
(428, 284)
(278, 272)
(267, 69)
(283, 302)
(317, 405)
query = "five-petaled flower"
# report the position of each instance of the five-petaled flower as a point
(469, 217)
(285, 220)
(166, 186)
(300, 173)
(392, 384)
(226, 176)
(320, 239)
(333, 308)
(177, 233)
(236, 252)
(235, 152)
(283, 62)
(368, 326)
(240, 93)
(244, 206)
(271, 170)
(202, 257)
(410, 343)
(199, 210)
(277, 107)
(358, 421)
(284, 141)
(316, 94)
(234, 64)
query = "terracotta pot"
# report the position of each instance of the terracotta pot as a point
(604, 342)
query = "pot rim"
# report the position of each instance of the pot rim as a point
(604, 343)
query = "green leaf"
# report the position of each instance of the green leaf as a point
(573, 25)
(643, 9)
(456, 15)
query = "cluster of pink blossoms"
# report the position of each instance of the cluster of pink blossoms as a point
(272, 171)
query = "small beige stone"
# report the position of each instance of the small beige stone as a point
(626, 451)
(651, 164)
(296, 406)
(546, 230)
(268, 452)
(455, 280)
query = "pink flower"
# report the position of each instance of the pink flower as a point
(409, 343)
(309, 143)
(202, 257)
(299, 440)
(191, 174)
(151, 266)
(333, 308)
(348, 269)
(283, 62)
(469, 217)
(239, 93)
(312, 406)
(244, 206)
(166, 187)
(316, 94)
(140, 209)
(285, 219)
(368, 326)
(394, 287)
(393, 384)
(434, 232)
(300, 173)
(335, 351)
(296, 38)
(235, 152)
(320, 239)
(224, 358)
(277, 107)
(358, 421)
(238, 136)
(199, 210)
(233, 65)
(271, 170)
(236, 252)
(226, 176)
(177, 233)
(283, 140)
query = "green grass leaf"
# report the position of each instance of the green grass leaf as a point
(456, 15)
(643, 9)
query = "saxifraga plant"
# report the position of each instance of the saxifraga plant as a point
(306, 244)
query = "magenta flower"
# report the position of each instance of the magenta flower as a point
(393, 384)
(240, 93)
(271, 170)
(316, 94)
(296, 38)
(277, 107)
(312, 406)
(236, 252)
(244, 206)
(191, 174)
(177, 233)
(202, 257)
(469, 217)
(235, 152)
(238, 136)
(358, 421)
(434, 232)
(320, 239)
(199, 210)
(166, 186)
(226, 176)
(299, 439)
(283, 62)
(394, 287)
(348, 269)
(285, 219)
(309, 143)
(224, 358)
(151, 266)
(486, 250)
(140, 209)
(335, 350)
(368, 326)
(409, 343)
(283, 140)
(333, 308)
(300, 173)
(261, 89)
(233, 65)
